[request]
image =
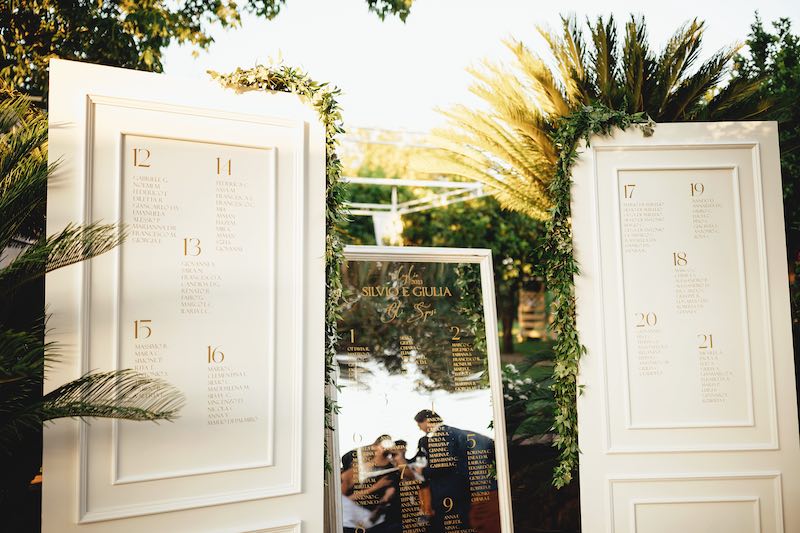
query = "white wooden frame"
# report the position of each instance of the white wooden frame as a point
(758, 458)
(483, 257)
(283, 496)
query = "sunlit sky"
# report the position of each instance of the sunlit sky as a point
(394, 75)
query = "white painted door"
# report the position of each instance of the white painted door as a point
(688, 420)
(219, 289)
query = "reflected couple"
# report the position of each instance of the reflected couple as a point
(448, 485)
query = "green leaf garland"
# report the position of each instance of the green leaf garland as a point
(322, 96)
(561, 267)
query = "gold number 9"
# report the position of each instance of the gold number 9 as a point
(448, 504)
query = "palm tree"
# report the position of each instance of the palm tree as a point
(509, 146)
(26, 254)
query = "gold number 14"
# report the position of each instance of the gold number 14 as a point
(223, 165)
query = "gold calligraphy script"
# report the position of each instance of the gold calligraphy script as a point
(405, 282)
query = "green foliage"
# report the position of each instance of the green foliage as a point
(523, 144)
(464, 310)
(378, 154)
(775, 57)
(529, 403)
(482, 223)
(123, 33)
(323, 98)
(28, 254)
(508, 146)
(382, 8)
(560, 267)
(470, 307)
(122, 394)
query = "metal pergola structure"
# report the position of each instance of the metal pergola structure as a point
(387, 218)
(457, 191)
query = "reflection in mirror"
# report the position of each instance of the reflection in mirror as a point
(415, 390)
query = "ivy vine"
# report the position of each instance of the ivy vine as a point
(322, 97)
(560, 268)
(469, 284)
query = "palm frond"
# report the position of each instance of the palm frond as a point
(604, 61)
(488, 133)
(570, 55)
(687, 100)
(510, 188)
(22, 355)
(13, 109)
(637, 64)
(739, 100)
(121, 394)
(547, 91)
(23, 171)
(71, 245)
(124, 394)
(26, 139)
(509, 145)
(509, 103)
(677, 58)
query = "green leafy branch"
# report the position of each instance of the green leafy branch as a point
(322, 97)
(28, 255)
(560, 267)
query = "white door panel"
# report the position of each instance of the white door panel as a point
(688, 419)
(218, 289)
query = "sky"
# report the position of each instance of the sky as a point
(395, 75)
